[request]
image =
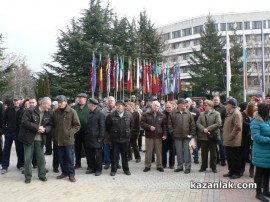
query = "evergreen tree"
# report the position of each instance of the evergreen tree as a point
(43, 88)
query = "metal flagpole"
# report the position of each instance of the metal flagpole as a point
(263, 70)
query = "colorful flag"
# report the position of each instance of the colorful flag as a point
(100, 80)
(121, 70)
(129, 79)
(93, 75)
(150, 78)
(145, 79)
(228, 65)
(117, 74)
(108, 74)
(138, 74)
(114, 74)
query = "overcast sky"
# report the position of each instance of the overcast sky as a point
(31, 27)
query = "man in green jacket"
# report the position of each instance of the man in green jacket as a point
(82, 111)
(66, 124)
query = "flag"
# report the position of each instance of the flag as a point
(228, 65)
(114, 74)
(93, 75)
(163, 80)
(145, 79)
(150, 78)
(138, 74)
(177, 87)
(117, 74)
(108, 74)
(172, 79)
(129, 79)
(245, 61)
(100, 80)
(121, 70)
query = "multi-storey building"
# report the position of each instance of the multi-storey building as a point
(181, 37)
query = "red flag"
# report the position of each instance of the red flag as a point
(130, 79)
(150, 78)
(145, 79)
(114, 74)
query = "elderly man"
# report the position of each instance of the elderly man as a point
(153, 122)
(94, 136)
(232, 129)
(66, 124)
(36, 123)
(182, 125)
(119, 124)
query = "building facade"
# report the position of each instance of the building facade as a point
(181, 37)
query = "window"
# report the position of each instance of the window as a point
(239, 25)
(222, 26)
(196, 42)
(167, 36)
(248, 38)
(187, 32)
(184, 56)
(175, 45)
(231, 26)
(197, 29)
(185, 44)
(256, 24)
(176, 34)
(268, 23)
(246, 25)
(216, 27)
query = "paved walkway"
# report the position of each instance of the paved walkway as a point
(151, 186)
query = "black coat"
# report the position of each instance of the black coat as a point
(10, 120)
(119, 127)
(30, 124)
(95, 130)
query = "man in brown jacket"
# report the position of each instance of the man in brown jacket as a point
(66, 124)
(232, 130)
(182, 125)
(153, 122)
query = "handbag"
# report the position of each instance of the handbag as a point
(212, 136)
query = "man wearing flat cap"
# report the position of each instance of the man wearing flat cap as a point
(94, 135)
(82, 111)
(119, 124)
(66, 124)
(232, 131)
(182, 125)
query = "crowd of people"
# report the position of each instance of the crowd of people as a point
(111, 131)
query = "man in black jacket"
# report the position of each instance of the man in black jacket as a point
(94, 136)
(118, 124)
(36, 123)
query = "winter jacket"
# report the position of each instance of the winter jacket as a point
(119, 127)
(147, 120)
(83, 116)
(30, 124)
(181, 125)
(135, 131)
(10, 120)
(260, 132)
(232, 129)
(95, 131)
(213, 124)
(66, 124)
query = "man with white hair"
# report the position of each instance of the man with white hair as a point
(153, 122)
(36, 123)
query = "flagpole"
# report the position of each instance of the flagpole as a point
(244, 66)
(228, 66)
(263, 70)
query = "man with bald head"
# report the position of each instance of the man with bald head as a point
(153, 122)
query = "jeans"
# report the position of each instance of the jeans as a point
(35, 148)
(9, 138)
(107, 154)
(66, 158)
(221, 148)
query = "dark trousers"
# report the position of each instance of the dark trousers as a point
(66, 158)
(55, 157)
(9, 138)
(209, 146)
(234, 160)
(133, 146)
(79, 144)
(221, 149)
(1, 148)
(122, 149)
(262, 175)
(245, 149)
(168, 145)
(140, 138)
(48, 144)
(94, 157)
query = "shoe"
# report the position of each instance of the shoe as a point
(21, 168)
(223, 163)
(171, 167)
(88, 168)
(266, 193)
(146, 169)
(202, 170)
(27, 181)
(140, 149)
(112, 173)
(235, 177)
(46, 170)
(127, 172)
(119, 167)
(98, 173)
(138, 160)
(107, 166)
(34, 166)
(48, 153)
(196, 161)
(22, 172)
(61, 176)
(261, 198)
(55, 170)
(89, 172)
(3, 171)
(227, 175)
(187, 171)
(129, 159)
(77, 166)
(160, 169)
(43, 179)
(214, 170)
(178, 169)
(72, 179)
